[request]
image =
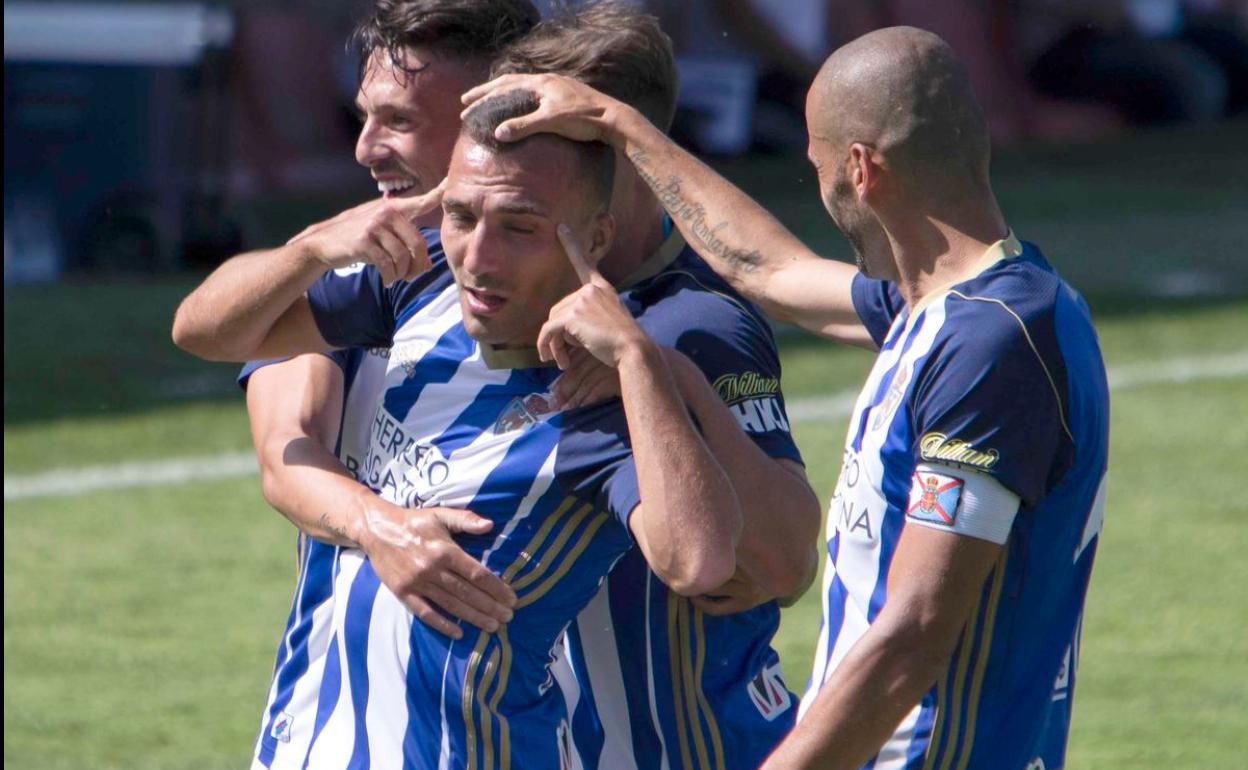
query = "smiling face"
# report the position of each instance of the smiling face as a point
(501, 211)
(410, 119)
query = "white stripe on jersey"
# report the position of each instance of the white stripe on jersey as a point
(602, 661)
(336, 741)
(654, 706)
(387, 695)
(565, 679)
(859, 563)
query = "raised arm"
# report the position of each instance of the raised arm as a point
(688, 521)
(295, 408)
(254, 305)
(737, 237)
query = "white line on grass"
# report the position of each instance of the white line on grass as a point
(836, 406)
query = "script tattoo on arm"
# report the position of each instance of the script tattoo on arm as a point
(336, 529)
(693, 215)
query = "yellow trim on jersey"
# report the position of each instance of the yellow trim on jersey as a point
(717, 743)
(686, 673)
(981, 665)
(526, 553)
(1006, 248)
(582, 543)
(504, 673)
(667, 253)
(949, 701)
(673, 655)
(1061, 412)
(560, 540)
(467, 696)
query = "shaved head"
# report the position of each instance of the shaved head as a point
(903, 92)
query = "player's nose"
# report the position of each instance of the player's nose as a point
(370, 147)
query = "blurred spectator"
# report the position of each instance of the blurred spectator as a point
(1155, 61)
(294, 126)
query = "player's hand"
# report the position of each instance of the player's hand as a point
(382, 232)
(591, 317)
(566, 107)
(739, 594)
(587, 381)
(414, 556)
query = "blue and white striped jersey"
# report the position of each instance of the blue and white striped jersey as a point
(290, 709)
(1000, 374)
(463, 425)
(655, 681)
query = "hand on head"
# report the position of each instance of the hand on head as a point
(566, 107)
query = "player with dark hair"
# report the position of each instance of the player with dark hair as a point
(659, 679)
(310, 415)
(963, 529)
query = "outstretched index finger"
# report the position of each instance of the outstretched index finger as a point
(584, 271)
(416, 207)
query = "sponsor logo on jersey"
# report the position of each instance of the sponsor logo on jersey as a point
(938, 446)
(521, 413)
(768, 692)
(406, 471)
(848, 509)
(281, 727)
(754, 400)
(934, 498)
(738, 387)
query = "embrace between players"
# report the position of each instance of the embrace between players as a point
(526, 413)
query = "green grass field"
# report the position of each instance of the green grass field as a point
(139, 624)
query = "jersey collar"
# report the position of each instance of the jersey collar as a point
(657, 262)
(1006, 248)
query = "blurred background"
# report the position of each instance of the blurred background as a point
(146, 581)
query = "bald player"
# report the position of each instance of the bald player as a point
(961, 535)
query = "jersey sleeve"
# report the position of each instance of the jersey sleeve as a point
(353, 308)
(986, 402)
(877, 304)
(596, 460)
(736, 351)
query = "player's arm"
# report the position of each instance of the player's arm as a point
(778, 549)
(934, 582)
(737, 237)
(688, 521)
(295, 408)
(255, 306)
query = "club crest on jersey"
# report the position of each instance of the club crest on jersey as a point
(934, 498)
(521, 413)
(768, 692)
(281, 727)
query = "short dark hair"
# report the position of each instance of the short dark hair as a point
(595, 159)
(469, 29)
(608, 45)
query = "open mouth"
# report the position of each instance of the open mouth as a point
(483, 302)
(394, 188)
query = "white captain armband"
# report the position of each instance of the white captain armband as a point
(961, 501)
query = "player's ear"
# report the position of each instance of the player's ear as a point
(864, 169)
(602, 236)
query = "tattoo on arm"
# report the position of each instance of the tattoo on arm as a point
(693, 214)
(329, 526)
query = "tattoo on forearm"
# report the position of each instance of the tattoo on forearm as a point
(335, 529)
(693, 214)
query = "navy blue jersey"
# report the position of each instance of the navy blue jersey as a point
(658, 683)
(1000, 375)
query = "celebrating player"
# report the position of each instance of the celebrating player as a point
(419, 56)
(661, 680)
(965, 520)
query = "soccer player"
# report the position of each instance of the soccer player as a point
(466, 421)
(970, 501)
(303, 409)
(661, 680)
